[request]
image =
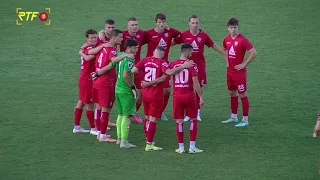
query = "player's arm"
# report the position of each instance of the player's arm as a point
(126, 75)
(85, 56)
(226, 52)
(197, 88)
(105, 69)
(117, 59)
(154, 82)
(95, 50)
(185, 65)
(253, 54)
(135, 70)
(138, 67)
(219, 49)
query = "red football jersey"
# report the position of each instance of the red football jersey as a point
(182, 81)
(237, 48)
(152, 69)
(154, 39)
(87, 67)
(140, 38)
(100, 41)
(103, 58)
(197, 41)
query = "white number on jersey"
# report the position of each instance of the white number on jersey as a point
(150, 74)
(182, 77)
(100, 60)
(231, 51)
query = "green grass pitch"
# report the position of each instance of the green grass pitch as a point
(39, 70)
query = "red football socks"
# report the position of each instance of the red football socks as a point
(193, 130)
(179, 132)
(245, 106)
(145, 126)
(165, 101)
(104, 122)
(77, 116)
(151, 131)
(90, 116)
(234, 104)
(97, 119)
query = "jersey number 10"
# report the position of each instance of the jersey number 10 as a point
(182, 77)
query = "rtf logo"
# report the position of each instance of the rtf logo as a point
(30, 16)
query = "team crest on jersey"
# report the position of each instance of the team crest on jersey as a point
(165, 64)
(235, 43)
(195, 68)
(166, 34)
(199, 39)
(114, 52)
(130, 64)
(138, 36)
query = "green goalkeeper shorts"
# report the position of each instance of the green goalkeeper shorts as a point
(126, 104)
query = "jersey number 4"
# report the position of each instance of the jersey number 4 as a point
(182, 77)
(100, 60)
(150, 74)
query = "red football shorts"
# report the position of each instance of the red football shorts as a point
(104, 96)
(152, 106)
(95, 97)
(85, 91)
(237, 80)
(184, 103)
(137, 80)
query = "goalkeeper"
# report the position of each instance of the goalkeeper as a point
(125, 94)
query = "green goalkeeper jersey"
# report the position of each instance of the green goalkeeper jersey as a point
(125, 65)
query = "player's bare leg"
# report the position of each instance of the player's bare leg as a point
(198, 115)
(146, 125)
(166, 92)
(316, 131)
(180, 136)
(103, 123)
(138, 105)
(193, 136)
(245, 110)
(97, 115)
(77, 117)
(151, 130)
(90, 116)
(234, 108)
(125, 127)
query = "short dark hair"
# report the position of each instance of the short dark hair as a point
(115, 33)
(90, 31)
(185, 47)
(160, 48)
(160, 16)
(110, 22)
(232, 22)
(130, 43)
(132, 19)
(193, 16)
